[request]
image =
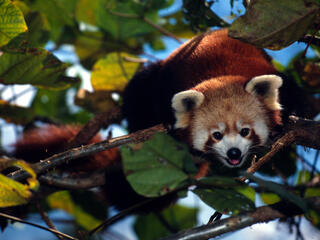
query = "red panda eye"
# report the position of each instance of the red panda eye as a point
(217, 135)
(245, 132)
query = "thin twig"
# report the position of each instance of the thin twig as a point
(146, 20)
(315, 161)
(161, 29)
(304, 161)
(300, 131)
(14, 97)
(284, 141)
(135, 60)
(123, 69)
(37, 225)
(120, 215)
(47, 220)
(314, 40)
(132, 209)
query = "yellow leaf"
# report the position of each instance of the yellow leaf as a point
(13, 193)
(269, 198)
(63, 200)
(247, 191)
(98, 101)
(312, 192)
(12, 22)
(113, 72)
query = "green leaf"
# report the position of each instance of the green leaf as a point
(53, 104)
(34, 66)
(281, 191)
(247, 191)
(158, 167)
(312, 192)
(177, 25)
(314, 217)
(269, 198)
(113, 72)
(86, 11)
(11, 22)
(260, 27)
(303, 176)
(121, 19)
(227, 201)
(200, 15)
(177, 217)
(90, 46)
(111, 16)
(220, 182)
(15, 114)
(74, 205)
(13, 193)
(58, 13)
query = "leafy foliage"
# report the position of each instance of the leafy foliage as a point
(155, 225)
(108, 38)
(31, 66)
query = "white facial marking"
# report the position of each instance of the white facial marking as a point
(241, 126)
(232, 141)
(221, 128)
(200, 137)
(261, 129)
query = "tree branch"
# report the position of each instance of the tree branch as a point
(94, 125)
(83, 151)
(89, 181)
(303, 132)
(281, 209)
(314, 40)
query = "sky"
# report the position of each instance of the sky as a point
(273, 230)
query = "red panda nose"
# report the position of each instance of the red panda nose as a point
(234, 153)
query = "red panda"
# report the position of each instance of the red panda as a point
(219, 94)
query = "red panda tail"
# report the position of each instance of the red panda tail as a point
(43, 142)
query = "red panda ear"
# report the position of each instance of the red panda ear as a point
(266, 87)
(183, 103)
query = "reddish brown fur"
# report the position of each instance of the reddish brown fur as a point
(226, 56)
(148, 96)
(40, 143)
(232, 101)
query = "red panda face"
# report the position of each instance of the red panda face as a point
(227, 116)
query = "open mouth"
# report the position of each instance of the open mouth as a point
(234, 162)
